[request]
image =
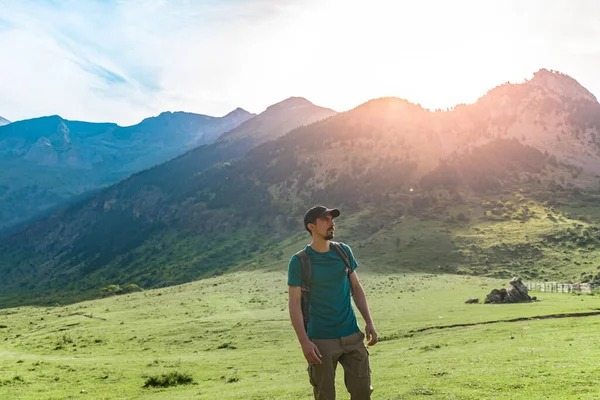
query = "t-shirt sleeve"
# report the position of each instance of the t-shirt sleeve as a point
(353, 262)
(295, 272)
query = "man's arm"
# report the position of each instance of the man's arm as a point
(360, 299)
(310, 350)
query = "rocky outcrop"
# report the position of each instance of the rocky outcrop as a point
(516, 292)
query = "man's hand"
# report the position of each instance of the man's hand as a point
(311, 352)
(371, 334)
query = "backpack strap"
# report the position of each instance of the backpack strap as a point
(339, 249)
(306, 281)
(306, 270)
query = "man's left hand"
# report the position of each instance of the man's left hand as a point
(371, 334)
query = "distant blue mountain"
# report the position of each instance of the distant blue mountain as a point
(163, 225)
(49, 160)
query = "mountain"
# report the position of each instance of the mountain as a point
(47, 161)
(282, 117)
(452, 176)
(4, 121)
(551, 112)
(163, 188)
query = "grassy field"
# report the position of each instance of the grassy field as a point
(229, 336)
(232, 336)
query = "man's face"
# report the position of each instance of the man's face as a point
(324, 227)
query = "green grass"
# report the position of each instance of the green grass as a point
(230, 335)
(549, 243)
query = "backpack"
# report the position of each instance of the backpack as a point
(307, 275)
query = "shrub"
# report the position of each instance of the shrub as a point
(169, 379)
(132, 287)
(112, 290)
(462, 217)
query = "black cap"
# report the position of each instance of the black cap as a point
(318, 212)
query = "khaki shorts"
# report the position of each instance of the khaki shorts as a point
(352, 353)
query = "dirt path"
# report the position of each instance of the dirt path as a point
(550, 316)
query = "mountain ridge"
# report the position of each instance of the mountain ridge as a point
(186, 219)
(47, 160)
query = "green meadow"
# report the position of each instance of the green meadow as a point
(229, 337)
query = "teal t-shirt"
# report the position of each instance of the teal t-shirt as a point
(331, 314)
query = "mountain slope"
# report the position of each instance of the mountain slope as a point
(386, 162)
(551, 112)
(46, 161)
(4, 121)
(116, 221)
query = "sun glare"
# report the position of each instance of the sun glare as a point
(434, 52)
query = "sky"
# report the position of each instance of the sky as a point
(122, 61)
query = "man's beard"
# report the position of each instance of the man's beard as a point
(329, 236)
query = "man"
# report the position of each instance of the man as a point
(332, 334)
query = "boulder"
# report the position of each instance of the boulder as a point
(516, 292)
(496, 296)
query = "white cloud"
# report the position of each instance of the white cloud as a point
(123, 61)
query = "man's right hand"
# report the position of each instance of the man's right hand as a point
(311, 352)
